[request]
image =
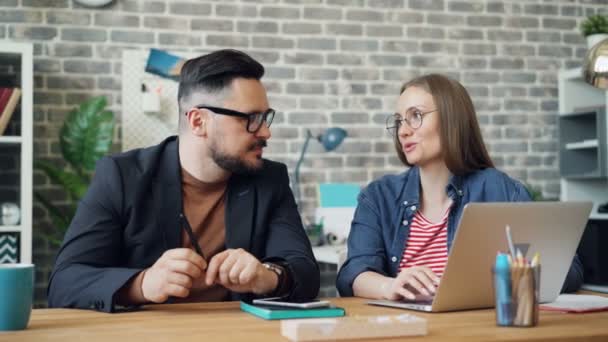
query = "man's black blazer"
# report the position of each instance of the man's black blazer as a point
(130, 216)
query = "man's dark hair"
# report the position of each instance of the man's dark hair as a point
(215, 71)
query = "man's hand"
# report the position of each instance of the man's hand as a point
(410, 282)
(239, 271)
(172, 275)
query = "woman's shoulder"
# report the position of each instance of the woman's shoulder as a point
(387, 186)
(493, 175)
(496, 179)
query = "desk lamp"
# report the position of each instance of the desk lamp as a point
(329, 139)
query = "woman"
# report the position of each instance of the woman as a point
(404, 224)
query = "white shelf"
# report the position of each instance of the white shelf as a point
(328, 254)
(575, 94)
(577, 99)
(21, 54)
(580, 145)
(11, 140)
(572, 74)
(10, 228)
(582, 111)
(597, 216)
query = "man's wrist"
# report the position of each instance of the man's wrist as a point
(140, 287)
(278, 273)
(132, 293)
(275, 277)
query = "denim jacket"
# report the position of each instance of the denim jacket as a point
(381, 223)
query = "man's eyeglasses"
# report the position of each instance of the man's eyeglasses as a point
(413, 117)
(254, 120)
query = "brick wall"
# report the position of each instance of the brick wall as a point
(329, 63)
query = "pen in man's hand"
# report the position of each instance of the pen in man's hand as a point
(190, 233)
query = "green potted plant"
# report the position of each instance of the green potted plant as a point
(536, 193)
(595, 29)
(86, 136)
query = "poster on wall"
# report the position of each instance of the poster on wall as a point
(149, 103)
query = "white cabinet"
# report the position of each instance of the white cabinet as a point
(583, 147)
(16, 155)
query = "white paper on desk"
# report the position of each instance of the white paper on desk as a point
(353, 327)
(577, 303)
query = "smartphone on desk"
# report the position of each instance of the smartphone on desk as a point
(278, 301)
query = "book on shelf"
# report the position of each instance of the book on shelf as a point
(5, 95)
(9, 98)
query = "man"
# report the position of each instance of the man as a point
(199, 217)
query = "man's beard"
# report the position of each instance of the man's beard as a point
(235, 164)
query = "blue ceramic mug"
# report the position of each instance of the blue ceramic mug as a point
(16, 294)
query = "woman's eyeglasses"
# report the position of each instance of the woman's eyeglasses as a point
(413, 117)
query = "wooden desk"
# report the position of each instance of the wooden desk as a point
(225, 322)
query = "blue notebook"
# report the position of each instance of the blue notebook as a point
(275, 312)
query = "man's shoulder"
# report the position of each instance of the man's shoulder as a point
(138, 155)
(142, 158)
(271, 174)
(271, 170)
(272, 177)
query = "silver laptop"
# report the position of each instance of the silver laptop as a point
(552, 229)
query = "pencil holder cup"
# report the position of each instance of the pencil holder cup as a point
(16, 294)
(516, 296)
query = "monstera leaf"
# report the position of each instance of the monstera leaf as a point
(60, 219)
(74, 184)
(87, 135)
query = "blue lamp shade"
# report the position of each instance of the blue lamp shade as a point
(332, 138)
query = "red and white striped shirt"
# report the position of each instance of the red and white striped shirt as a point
(427, 244)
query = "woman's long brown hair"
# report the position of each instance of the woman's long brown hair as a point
(462, 146)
